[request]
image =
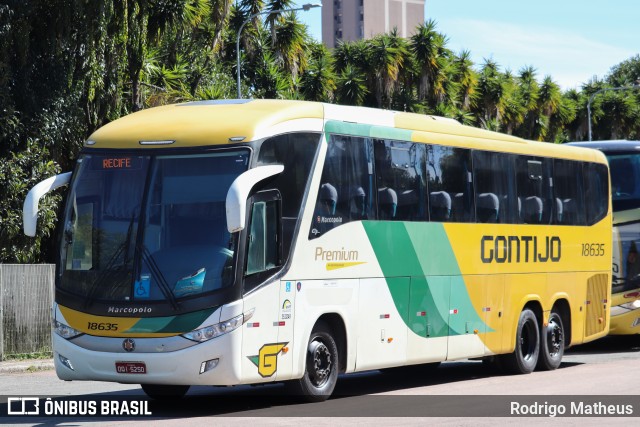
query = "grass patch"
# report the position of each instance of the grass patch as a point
(28, 356)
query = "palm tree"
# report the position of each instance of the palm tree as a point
(387, 56)
(512, 108)
(466, 78)
(429, 49)
(527, 92)
(490, 94)
(351, 88)
(290, 46)
(318, 83)
(553, 106)
(272, 18)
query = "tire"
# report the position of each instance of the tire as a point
(524, 358)
(321, 367)
(165, 392)
(551, 343)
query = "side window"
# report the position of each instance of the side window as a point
(596, 184)
(262, 253)
(496, 200)
(533, 180)
(450, 184)
(295, 151)
(346, 186)
(567, 188)
(401, 180)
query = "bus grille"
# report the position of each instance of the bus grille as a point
(597, 303)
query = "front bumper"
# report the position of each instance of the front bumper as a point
(181, 367)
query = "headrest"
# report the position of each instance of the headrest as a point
(328, 192)
(440, 199)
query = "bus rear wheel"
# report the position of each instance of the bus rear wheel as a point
(525, 356)
(165, 392)
(321, 367)
(551, 343)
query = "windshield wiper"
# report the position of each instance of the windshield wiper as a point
(123, 247)
(157, 274)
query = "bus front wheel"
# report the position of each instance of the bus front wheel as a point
(321, 367)
(551, 343)
(525, 356)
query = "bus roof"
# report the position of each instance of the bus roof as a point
(610, 146)
(218, 122)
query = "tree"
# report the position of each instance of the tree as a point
(431, 55)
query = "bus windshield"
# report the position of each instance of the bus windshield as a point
(625, 196)
(143, 228)
(625, 180)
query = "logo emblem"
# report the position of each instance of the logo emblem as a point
(267, 359)
(129, 345)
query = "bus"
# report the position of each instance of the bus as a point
(234, 242)
(624, 165)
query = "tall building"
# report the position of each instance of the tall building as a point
(350, 20)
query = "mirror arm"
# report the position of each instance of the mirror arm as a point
(236, 203)
(30, 206)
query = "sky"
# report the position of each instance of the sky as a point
(570, 40)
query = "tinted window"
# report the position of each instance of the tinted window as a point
(596, 185)
(295, 152)
(534, 189)
(450, 184)
(401, 177)
(567, 187)
(625, 175)
(346, 187)
(496, 199)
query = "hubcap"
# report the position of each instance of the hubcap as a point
(554, 338)
(320, 363)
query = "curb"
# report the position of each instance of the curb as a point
(12, 367)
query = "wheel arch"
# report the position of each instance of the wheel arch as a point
(336, 324)
(563, 308)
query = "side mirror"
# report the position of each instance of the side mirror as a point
(30, 206)
(236, 203)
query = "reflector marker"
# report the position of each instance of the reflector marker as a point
(385, 316)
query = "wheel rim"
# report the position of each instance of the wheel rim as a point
(528, 340)
(555, 338)
(319, 364)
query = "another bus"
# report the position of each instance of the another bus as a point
(252, 241)
(624, 165)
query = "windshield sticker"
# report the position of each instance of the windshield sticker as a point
(142, 287)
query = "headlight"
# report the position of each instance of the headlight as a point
(65, 331)
(213, 331)
(634, 305)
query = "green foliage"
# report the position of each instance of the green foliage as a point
(18, 174)
(68, 67)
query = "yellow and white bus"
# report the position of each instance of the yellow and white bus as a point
(624, 165)
(252, 241)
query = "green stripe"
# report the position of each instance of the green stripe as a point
(422, 255)
(381, 132)
(172, 324)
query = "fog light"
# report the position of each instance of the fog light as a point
(66, 362)
(208, 365)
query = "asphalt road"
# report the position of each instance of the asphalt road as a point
(460, 393)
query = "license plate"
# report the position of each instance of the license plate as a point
(131, 368)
